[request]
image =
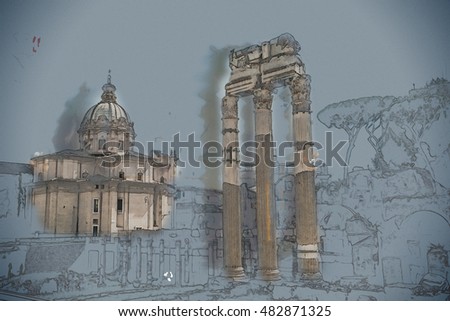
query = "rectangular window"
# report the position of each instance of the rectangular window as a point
(119, 205)
(96, 205)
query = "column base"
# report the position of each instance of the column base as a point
(236, 273)
(309, 268)
(311, 276)
(269, 275)
(308, 263)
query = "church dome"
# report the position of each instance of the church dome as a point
(106, 121)
(107, 107)
(109, 110)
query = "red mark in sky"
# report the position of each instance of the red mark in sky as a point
(37, 41)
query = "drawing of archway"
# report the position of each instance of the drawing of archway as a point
(405, 252)
(349, 242)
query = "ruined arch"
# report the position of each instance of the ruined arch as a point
(405, 250)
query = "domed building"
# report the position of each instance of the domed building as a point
(105, 187)
(107, 121)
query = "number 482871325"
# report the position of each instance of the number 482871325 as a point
(294, 310)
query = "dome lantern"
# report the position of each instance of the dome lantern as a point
(109, 89)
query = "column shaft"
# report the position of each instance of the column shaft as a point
(157, 199)
(305, 194)
(232, 228)
(265, 198)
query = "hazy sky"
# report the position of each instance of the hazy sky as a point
(160, 55)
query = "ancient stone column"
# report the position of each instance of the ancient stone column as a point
(231, 218)
(305, 194)
(265, 198)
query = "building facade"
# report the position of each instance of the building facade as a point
(105, 187)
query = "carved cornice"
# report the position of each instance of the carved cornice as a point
(229, 107)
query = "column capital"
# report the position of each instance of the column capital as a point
(300, 87)
(229, 107)
(262, 98)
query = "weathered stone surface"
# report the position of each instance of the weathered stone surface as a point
(257, 70)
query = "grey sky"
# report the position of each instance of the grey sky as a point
(159, 53)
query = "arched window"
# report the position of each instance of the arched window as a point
(101, 143)
(140, 176)
(121, 175)
(85, 174)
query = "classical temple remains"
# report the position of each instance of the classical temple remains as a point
(258, 70)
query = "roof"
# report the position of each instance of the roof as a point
(107, 108)
(65, 152)
(111, 110)
(15, 168)
(83, 153)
